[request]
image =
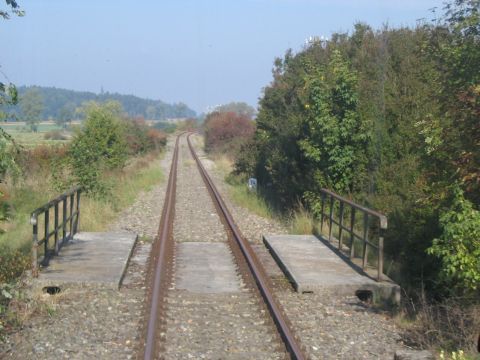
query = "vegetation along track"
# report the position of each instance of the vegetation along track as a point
(209, 296)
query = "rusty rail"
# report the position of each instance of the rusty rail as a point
(254, 265)
(68, 226)
(159, 263)
(338, 219)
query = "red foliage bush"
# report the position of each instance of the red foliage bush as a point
(32, 160)
(157, 138)
(227, 131)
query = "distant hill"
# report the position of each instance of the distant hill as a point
(55, 99)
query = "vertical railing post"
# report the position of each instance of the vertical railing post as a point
(340, 229)
(34, 222)
(331, 219)
(71, 215)
(365, 237)
(57, 245)
(46, 255)
(77, 218)
(323, 212)
(380, 256)
(64, 221)
(352, 229)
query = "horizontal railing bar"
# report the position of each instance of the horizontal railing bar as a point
(381, 217)
(52, 203)
(361, 238)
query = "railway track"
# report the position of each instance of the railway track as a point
(209, 296)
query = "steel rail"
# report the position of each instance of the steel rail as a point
(254, 264)
(160, 261)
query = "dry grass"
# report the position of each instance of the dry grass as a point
(302, 222)
(450, 325)
(141, 175)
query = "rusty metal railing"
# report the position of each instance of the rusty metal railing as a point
(67, 228)
(339, 208)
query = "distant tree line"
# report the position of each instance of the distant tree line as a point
(58, 104)
(389, 118)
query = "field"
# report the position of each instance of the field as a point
(22, 134)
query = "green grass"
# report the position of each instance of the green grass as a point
(22, 134)
(241, 196)
(141, 175)
(97, 214)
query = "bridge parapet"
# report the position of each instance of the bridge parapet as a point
(367, 229)
(64, 225)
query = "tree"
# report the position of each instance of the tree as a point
(65, 115)
(99, 146)
(12, 8)
(32, 107)
(8, 96)
(151, 112)
(239, 108)
(336, 139)
(225, 132)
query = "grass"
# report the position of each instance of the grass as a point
(302, 222)
(238, 190)
(141, 174)
(299, 222)
(22, 134)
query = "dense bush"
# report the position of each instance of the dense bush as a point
(225, 132)
(104, 143)
(390, 119)
(55, 135)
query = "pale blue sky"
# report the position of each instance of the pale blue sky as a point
(201, 52)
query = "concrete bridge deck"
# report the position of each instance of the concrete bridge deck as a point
(91, 258)
(311, 265)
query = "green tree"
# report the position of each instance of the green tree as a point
(151, 112)
(65, 115)
(12, 9)
(31, 104)
(336, 139)
(99, 146)
(8, 97)
(459, 245)
(239, 108)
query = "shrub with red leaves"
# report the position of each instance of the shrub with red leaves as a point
(225, 132)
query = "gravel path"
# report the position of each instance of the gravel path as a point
(222, 321)
(329, 326)
(94, 322)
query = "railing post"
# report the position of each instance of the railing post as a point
(340, 227)
(64, 221)
(46, 255)
(331, 219)
(365, 236)
(71, 214)
(57, 245)
(380, 256)
(323, 212)
(34, 222)
(352, 229)
(77, 218)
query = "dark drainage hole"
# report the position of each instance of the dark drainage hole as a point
(364, 295)
(51, 290)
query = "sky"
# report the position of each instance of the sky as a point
(200, 52)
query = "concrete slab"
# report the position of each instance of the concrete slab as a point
(91, 258)
(203, 267)
(312, 266)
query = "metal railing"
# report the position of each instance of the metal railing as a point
(67, 228)
(339, 208)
